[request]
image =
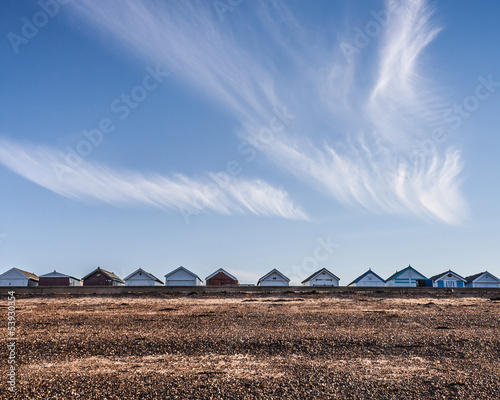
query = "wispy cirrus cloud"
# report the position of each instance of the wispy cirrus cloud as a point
(358, 177)
(357, 127)
(189, 38)
(401, 96)
(94, 182)
(355, 124)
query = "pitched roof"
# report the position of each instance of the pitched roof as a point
(366, 273)
(274, 270)
(107, 273)
(30, 275)
(181, 268)
(317, 273)
(472, 278)
(223, 271)
(397, 273)
(56, 274)
(436, 277)
(148, 274)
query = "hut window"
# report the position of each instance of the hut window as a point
(274, 277)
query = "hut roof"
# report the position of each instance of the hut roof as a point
(274, 270)
(181, 268)
(318, 272)
(397, 273)
(148, 274)
(363, 275)
(111, 275)
(222, 271)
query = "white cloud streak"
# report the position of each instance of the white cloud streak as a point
(383, 96)
(93, 182)
(187, 37)
(400, 98)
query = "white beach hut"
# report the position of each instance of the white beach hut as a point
(448, 279)
(483, 280)
(323, 277)
(182, 277)
(369, 278)
(274, 278)
(406, 277)
(18, 277)
(142, 278)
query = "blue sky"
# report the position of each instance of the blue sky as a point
(249, 136)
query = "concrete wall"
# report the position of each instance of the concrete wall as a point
(124, 290)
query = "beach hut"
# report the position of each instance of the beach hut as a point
(407, 277)
(18, 277)
(58, 279)
(221, 278)
(369, 278)
(101, 277)
(142, 278)
(483, 280)
(182, 277)
(448, 279)
(323, 277)
(274, 278)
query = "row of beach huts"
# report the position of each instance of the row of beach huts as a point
(181, 276)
